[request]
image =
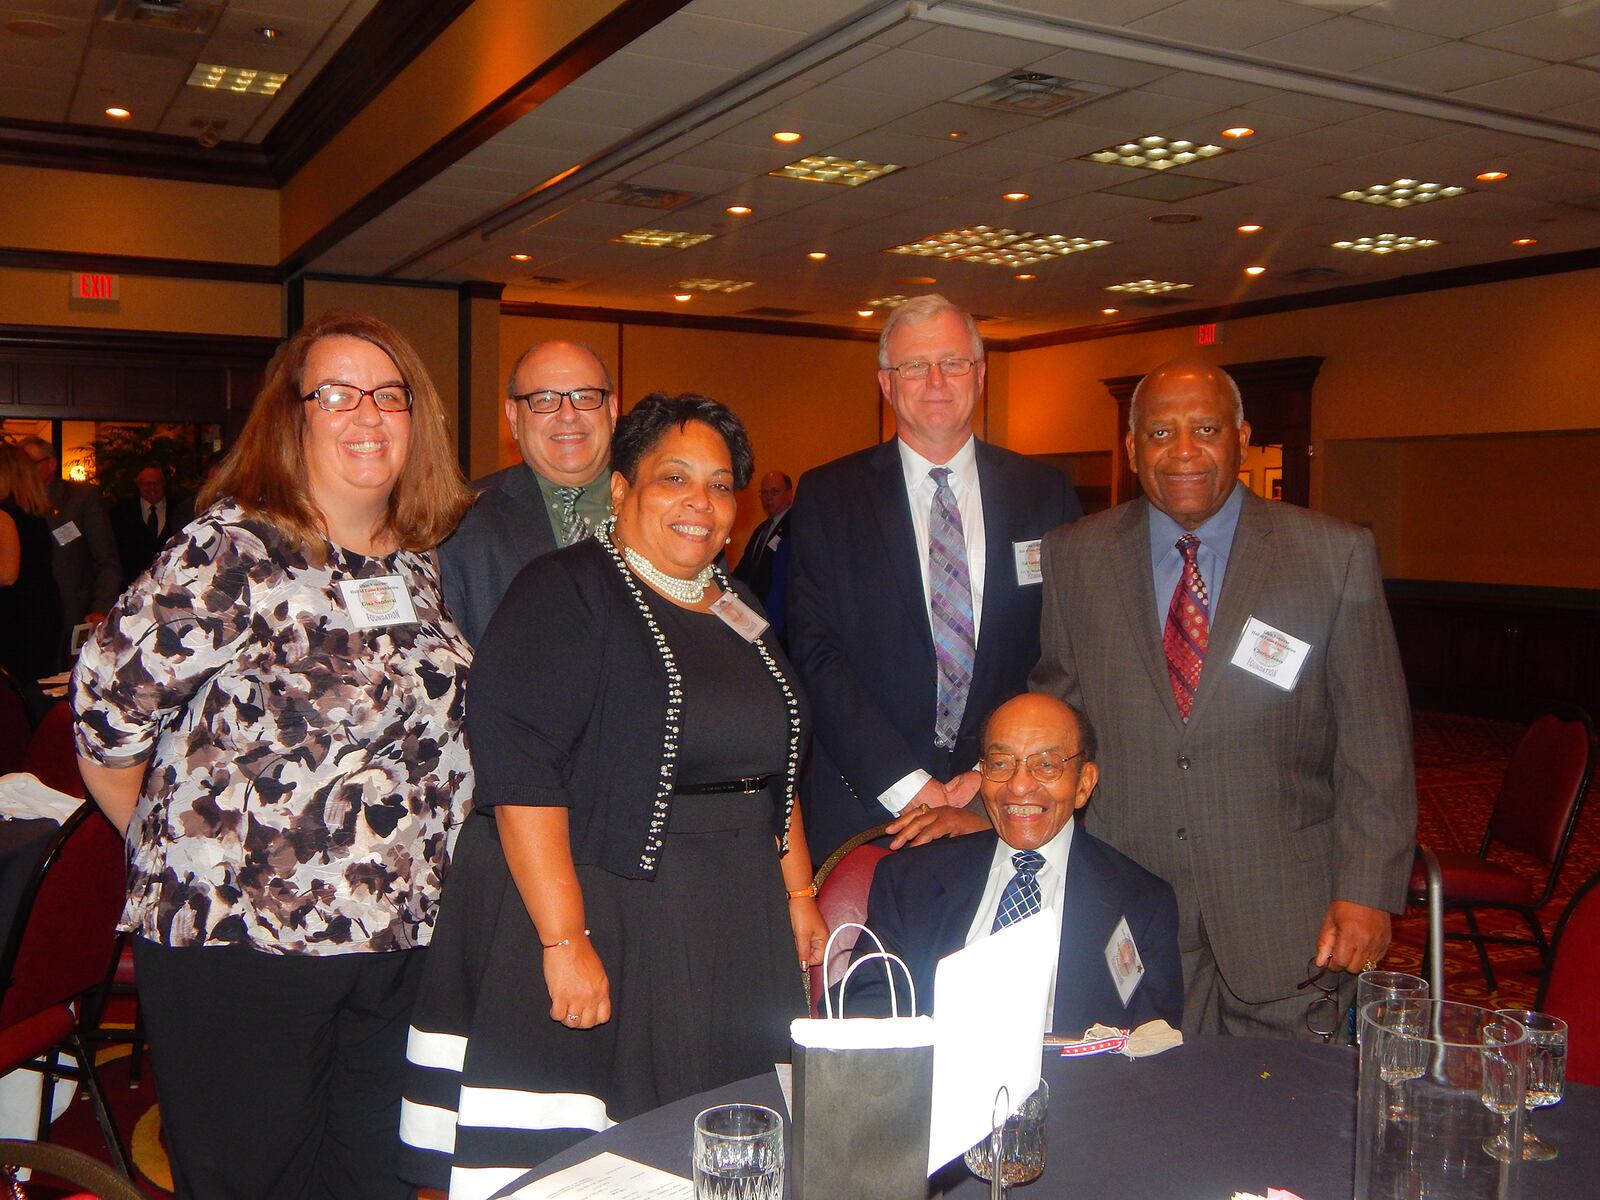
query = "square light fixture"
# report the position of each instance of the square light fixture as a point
(997, 247)
(1386, 243)
(886, 302)
(678, 240)
(1148, 287)
(1402, 193)
(714, 285)
(825, 168)
(236, 79)
(1154, 153)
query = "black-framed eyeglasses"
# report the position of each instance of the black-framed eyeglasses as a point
(345, 397)
(920, 368)
(1324, 1012)
(548, 400)
(1044, 765)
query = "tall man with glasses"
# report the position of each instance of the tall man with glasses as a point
(1237, 657)
(1116, 923)
(914, 592)
(561, 409)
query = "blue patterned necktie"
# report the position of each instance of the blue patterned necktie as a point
(950, 607)
(573, 527)
(1021, 897)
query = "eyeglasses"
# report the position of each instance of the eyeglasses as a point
(1044, 766)
(1323, 1013)
(346, 397)
(920, 368)
(548, 400)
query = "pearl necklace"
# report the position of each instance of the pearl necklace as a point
(684, 591)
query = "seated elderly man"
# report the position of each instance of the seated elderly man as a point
(1116, 923)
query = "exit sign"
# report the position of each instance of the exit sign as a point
(87, 285)
(1208, 335)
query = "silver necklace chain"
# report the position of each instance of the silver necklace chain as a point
(685, 591)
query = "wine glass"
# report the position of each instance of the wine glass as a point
(1500, 1093)
(1387, 985)
(1547, 1072)
(1404, 1055)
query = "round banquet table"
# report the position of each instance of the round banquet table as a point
(1202, 1121)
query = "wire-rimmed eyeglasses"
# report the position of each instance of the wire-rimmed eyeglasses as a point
(920, 368)
(1044, 765)
(344, 397)
(548, 400)
(1324, 1012)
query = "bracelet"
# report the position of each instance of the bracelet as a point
(566, 941)
(805, 893)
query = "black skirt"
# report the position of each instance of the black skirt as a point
(704, 982)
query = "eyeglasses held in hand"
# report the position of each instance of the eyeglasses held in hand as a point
(1044, 766)
(920, 368)
(548, 400)
(1323, 1013)
(345, 397)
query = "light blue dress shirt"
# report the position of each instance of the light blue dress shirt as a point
(1216, 543)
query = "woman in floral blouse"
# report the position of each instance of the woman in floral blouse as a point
(272, 713)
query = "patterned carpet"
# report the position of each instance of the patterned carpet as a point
(1459, 764)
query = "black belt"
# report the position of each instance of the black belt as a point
(749, 785)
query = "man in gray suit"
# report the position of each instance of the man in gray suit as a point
(561, 409)
(1238, 659)
(85, 561)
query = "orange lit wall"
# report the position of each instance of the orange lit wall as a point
(29, 297)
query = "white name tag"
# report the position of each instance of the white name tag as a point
(67, 533)
(739, 616)
(1271, 654)
(378, 601)
(1122, 956)
(774, 541)
(1029, 568)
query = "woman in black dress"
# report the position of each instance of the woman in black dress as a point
(630, 907)
(30, 606)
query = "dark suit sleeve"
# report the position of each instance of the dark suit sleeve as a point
(1160, 993)
(869, 986)
(455, 568)
(1056, 673)
(95, 523)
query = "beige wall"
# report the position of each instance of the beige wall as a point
(148, 302)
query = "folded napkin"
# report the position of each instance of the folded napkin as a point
(22, 797)
(1150, 1038)
(1272, 1194)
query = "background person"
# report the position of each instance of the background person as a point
(758, 562)
(85, 563)
(30, 605)
(616, 933)
(273, 714)
(143, 522)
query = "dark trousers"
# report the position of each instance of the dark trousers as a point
(279, 1076)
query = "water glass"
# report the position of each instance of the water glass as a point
(1387, 985)
(1547, 1074)
(738, 1153)
(1022, 1143)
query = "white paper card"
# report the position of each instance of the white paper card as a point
(609, 1177)
(1122, 956)
(1271, 654)
(66, 532)
(785, 1073)
(775, 541)
(378, 601)
(990, 999)
(1030, 569)
(739, 616)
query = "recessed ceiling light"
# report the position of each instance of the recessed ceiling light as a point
(1255, 270)
(817, 255)
(1175, 218)
(236, 79)
(956, 134)
(1239, 131)
(1015, 196)
(714, 285)
(1153, 153)
(1024, 277)
(1111, 312)
(739, 210)
(1402, 193)
(864, 312)
(1248, 228)
(825, 168)
(521, 258)
(1385, 243)
(883, 302)
(662, 237)
(682, 297)
(787, 136)
(29, 28)
(1148, 287)
(118, 114)
(1525, 242)
(998, 247)
(1492, 176)
(267, 33)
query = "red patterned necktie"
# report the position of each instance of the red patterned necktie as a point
(1188, 628)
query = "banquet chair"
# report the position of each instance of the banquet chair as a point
(1534, 813)
(15, 725)
(1572, 989)
(59, 953)
(843, 881)
(67, 1165)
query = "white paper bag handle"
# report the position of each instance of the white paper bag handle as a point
(884, 955)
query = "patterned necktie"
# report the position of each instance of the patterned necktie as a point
(573, 527)
(1021, 897)
(1188, 628)
(950, 606)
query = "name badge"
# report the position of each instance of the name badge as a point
(1271, 654)
(739, 616)
(1122, 956)
(774, 541)
(378, 601)
(1030, 569)
(68, 532)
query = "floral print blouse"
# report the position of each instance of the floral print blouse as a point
(307, 776)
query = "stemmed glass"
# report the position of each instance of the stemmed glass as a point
(1499, 1091)
(1403, 1058)
(1547, 1075)
(1386, 985)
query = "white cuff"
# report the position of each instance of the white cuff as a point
(901, 793)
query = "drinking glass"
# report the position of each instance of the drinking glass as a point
(1547, 1074)
(1022, 1143)
(1387, 985)
(738, 1153)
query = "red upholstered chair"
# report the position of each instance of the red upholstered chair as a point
(52, 758)
(1535, 813)
(59, 952)
(842, 885)
(15, 726)
(1572, 989)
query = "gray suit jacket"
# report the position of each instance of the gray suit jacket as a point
(505, 530)
(1268, 804)
(88, 568)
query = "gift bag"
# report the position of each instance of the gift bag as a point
(863, 1093)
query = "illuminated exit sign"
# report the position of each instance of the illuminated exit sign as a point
(86, 285)
(1208, 335)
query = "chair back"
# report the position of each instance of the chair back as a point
(843, 882)
(1572, 989)
(64, 937)
(1543, 788)
(15, 726)
(52, 756)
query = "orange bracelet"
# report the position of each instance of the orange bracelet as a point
(805, 893)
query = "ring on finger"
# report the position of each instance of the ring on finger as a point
(572, 1018)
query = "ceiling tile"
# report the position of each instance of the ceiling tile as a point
(1343, 44)
(712, 42)
(973, 46)
(1572, 31)
(1099, 68)
(1134, 114)
(1538, 91)
(1450, 65)
(1311, 108)
(1458, 18)
(1215, 89)
(1229, 25)
(24, 103)
(1104, 12)
(978, 124)
(921, 76)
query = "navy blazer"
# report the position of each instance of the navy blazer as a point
(924, 898)
(858, 629)
(506, 529)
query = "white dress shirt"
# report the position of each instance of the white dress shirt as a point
(1052, 879)
(920, 488)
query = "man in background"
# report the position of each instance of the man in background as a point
(87, 569)
(764, 563)
(143, 522)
